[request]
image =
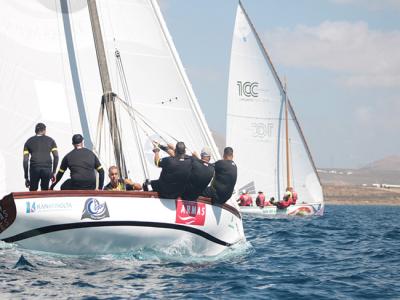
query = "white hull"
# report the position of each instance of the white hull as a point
(309, 209)
(101, 222)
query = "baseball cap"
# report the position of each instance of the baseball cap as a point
(206, 151)
(77, 139)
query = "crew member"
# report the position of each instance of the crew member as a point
(245, 199)
(42, 168)
(175, 172)
(82, 163)
(224, 179)
(260, 200)
(118, 184)
(201, 175)
(287, 199)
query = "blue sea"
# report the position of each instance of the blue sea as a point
(352, 252)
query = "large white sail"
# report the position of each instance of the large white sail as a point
(39, 80)
(255, 122)
(156, 85)
(51, 54)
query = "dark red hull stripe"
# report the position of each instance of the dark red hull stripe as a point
(54, 228)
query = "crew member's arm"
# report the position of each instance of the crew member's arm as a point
(132, 186)
(195, 154)
(100, 170)
(63, 167)
(54, 151)
(157, 156)
(170, 148)
(25, 164)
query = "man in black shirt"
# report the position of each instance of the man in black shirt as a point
(224, 180)
(201, 175)
(42, 168)
(82, 163)
(175, 172)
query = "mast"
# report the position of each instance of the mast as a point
(287, 137)
(108, 98)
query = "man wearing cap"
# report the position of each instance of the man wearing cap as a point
(201, 175)
(175, 172)
(42, 167)
(82, 163)
(224, 180)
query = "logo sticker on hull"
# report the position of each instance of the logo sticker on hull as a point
(190, 213)
(95, 210)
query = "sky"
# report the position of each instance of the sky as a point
(341, 59)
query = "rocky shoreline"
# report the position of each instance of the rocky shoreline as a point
(336, 194)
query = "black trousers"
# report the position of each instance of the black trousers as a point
(211, 192)
(69, 184)
(39, 174)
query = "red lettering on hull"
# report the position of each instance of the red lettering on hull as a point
(191, 213)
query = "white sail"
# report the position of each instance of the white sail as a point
(37, 81)
(255, 122)
(156, 83)
(51, 53)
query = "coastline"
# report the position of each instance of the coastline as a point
(338, 194)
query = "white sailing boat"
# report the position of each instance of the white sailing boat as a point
(56, 61)
(270, 149)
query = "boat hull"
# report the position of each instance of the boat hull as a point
(312, 209)
(102, 222)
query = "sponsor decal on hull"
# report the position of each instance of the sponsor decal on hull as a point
(190, 213)
(36, 207)
(95, 210)
(302, 211)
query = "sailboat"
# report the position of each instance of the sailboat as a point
(270, 149)
(109, 70)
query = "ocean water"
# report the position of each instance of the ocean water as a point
(352, 252)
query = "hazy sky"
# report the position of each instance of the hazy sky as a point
(341, 59)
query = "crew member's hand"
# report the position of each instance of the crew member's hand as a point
(156, 149)
(53, 178)
(27, 183)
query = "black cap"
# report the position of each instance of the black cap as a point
(40, 127)
(77, 139)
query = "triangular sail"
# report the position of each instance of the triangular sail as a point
(40, 79)
(148, 77)
(255, 121)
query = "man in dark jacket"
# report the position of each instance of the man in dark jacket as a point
(224, 180)
(82, 163)
(42, 168)
(175, 172)
(201, 175)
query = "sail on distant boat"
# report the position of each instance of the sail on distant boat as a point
(49, 71)
(256, 126)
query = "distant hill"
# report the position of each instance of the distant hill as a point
(390, 163)
(384, 171)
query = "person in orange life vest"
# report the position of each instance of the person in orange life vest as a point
(260, 200)
(118, 184)
(245, 199)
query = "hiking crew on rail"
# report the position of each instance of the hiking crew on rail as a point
(182, 176)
